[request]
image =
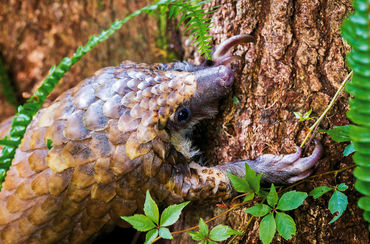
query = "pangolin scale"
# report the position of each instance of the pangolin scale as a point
(115, 135)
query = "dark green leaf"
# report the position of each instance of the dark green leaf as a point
(342, 187)
(151, 208)
(349, 149)
(150, 236)
(339, 133)
(239, 184)
(248, 197)
(319, 191)
(196, 236)
(267, 229)
(337, 204)
(258, 210)
(235, 100)
(140, 222)
(165, 233)
(272, 197)
(203, 228)
(291, 200)
(49, 143)
(285, 225)
(172, 213)
(222, 232)
(252, 178)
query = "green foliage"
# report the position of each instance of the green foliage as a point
(341, 134)
(349, 149)
(236, 100)
(355, 30)
(282, 222)
(197, 25)
(249, 184)
(338, 201)
(149, 221)
(49, 143)
(218, 233)
(304, 117)
(7, 89)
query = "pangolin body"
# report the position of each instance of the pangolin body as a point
(114, 136)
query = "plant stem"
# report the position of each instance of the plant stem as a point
(333, 100)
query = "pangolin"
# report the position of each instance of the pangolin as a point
(116, 134)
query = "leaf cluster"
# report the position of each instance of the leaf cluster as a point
(151, 222)
(338, 201)
(304, 117)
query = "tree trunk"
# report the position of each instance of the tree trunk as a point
(296, 64)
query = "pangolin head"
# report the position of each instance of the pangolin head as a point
(172, 100)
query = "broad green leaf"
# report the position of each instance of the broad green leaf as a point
(151, 208)
(342, 187)
(267, 229)
(319, 191)
(272, 197)
(291, 200)
(364, 203)
(248, 197)
(349, 149)
(140, 222)
(211, 242)
(203, 228)
(362, 173)
(203, 242)
(258, 210)
(337, 204)
(196, 236)
(171, 214)
(150, 236)
(222, 232)
(239, 184)
(285, 225)
(165, 233)
(252, 178)
(339, 133)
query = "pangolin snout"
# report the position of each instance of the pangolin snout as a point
(214, 81)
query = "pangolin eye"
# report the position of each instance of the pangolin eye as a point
(183, 115)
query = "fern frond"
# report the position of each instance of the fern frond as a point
(356, 31)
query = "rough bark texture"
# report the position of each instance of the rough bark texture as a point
(297, 63)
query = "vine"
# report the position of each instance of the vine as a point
(356, 31)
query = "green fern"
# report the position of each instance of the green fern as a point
(356, 31)
(197, 25)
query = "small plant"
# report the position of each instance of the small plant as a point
(341, 134)
(218, 233)
(305, 116)
(151, 222)
(274, 216)
(338, 201)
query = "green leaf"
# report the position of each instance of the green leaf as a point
(203, 228)
(140, 222)
(272, 197)
(151, 208)
(211, 242)
(252, 178)
(235, 100)
(364, 203)
(248, 197)
(267, 229)
(196, 236)
(222, 232)
(291, 200)
(239, 184)
(258, 210)
(150, 236)
(285, 225)
(339, 133)
(319, 191)
(349, 149)
(172, 213)
(49, 143)
(342, 187)
(337, 204)
(165, 233)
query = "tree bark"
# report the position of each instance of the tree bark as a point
(297, 63)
